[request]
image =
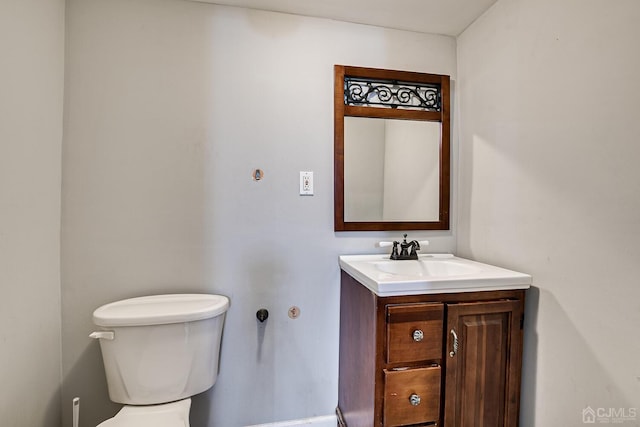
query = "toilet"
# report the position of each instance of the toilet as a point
(158, 351)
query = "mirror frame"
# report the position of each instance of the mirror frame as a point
(341, 110)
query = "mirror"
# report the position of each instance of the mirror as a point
(391, 150)
(375, 188)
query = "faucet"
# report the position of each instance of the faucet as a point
(408, 250)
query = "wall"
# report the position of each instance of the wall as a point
(31, 88)
(170, 107)
(549, 186)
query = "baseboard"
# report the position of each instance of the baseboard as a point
(324, 421)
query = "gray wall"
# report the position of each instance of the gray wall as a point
(549, 185)
(170, 106)
(31, 100)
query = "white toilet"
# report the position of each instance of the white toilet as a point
(158, 351)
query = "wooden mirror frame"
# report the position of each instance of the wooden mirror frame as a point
(341, 110)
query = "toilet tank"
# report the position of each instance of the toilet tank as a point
(160, 348)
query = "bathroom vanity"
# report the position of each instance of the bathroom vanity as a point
(434, 341)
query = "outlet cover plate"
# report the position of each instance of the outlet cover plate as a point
(306, 183)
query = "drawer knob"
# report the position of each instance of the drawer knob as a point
(418, 335)
(414, 399)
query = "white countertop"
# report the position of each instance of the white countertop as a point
(430, 274)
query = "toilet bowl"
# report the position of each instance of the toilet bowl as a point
(158, 351)
(174, 414)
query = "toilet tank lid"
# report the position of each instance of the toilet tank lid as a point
(160, 310)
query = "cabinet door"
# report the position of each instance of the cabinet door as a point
(483, 364)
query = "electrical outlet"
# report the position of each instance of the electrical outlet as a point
(306, 183)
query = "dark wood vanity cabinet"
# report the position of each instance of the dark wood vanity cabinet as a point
(450, 360)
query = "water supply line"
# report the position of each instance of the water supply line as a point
(76, 411)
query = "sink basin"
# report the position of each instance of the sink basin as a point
(431, 273)
(426, 267)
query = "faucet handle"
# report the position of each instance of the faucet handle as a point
(384, 244)
(394, 251)
(417, 245)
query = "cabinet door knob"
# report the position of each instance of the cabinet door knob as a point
(418, 335)
(414, 399)
(455, 344)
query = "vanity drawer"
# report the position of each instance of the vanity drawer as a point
(411, 396)
(414, 332)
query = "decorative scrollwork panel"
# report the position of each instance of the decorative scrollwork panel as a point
(392, 94)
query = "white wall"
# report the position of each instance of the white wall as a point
(170, 106)
(549, 179)
(31, 89)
